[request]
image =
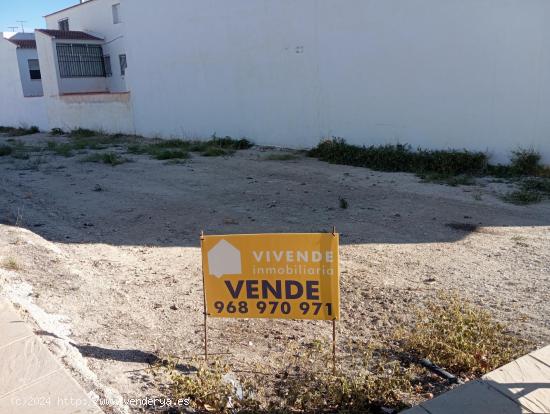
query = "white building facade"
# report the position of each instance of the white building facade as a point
(438, 74)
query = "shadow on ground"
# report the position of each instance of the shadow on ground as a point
(146, 202)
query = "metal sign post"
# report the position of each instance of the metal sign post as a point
(204, 308)
(334, 329)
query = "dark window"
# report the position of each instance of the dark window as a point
(63, 25)
(107, 64)
(34, 69)
(123, 64)
(78, 60)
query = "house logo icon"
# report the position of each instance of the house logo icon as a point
(224, 259)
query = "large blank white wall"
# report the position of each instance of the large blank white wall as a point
(433, 73)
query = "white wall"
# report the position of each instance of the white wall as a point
(433, 73)
(111, 113)
(15, 109)
(95, 17)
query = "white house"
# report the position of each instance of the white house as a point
(21, 102)
(469, 74)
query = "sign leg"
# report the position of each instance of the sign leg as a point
(334, 347)
(205, 338)
(204, 310)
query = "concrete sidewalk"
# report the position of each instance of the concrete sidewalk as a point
(31, 379)
(522, 386)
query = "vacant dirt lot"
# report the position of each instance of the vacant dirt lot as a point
(106, 262)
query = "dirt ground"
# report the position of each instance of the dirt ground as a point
(108, 260)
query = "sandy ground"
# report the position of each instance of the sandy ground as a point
(110, 262)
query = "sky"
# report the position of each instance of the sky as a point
(30, 10)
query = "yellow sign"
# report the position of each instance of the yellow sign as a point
(288, 276)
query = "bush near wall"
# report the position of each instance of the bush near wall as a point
(401, 158)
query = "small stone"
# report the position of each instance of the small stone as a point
(174, 307)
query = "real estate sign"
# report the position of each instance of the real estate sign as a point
(289, 276)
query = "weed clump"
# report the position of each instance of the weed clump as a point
(343, 203)
(19, 132)
(5, 150)
(450, 180)
(211, 388)
(83, 133)
(462, 338)
(215, 151)
(376, 381)
(109, 158)
(176, 148)
(281, 157)
(11, 264)
(169, 154)
(57, 132)
(531, 190)
(63, 149)
(304, 382)
(523, 197)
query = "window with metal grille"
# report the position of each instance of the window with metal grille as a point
(78, 60)
(123, 64)
(63, 25)
(107, 64)
(34, 69)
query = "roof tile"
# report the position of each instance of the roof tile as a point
(23, 43)
(68, 34)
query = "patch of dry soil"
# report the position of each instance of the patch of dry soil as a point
(114, 252)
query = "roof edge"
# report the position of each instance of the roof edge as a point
(22, 43)
(68, 8)
(90, 37)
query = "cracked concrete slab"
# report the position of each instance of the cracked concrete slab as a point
(31, 379)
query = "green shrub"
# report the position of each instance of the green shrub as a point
(400, 157)
(230, 143)
(5, 150)
(83, 133)
(531, 191)
(19, 132)
(57, 131)
(525, 162)
(541, 185)
(178, 148)
(168, 154)
(523, 197)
